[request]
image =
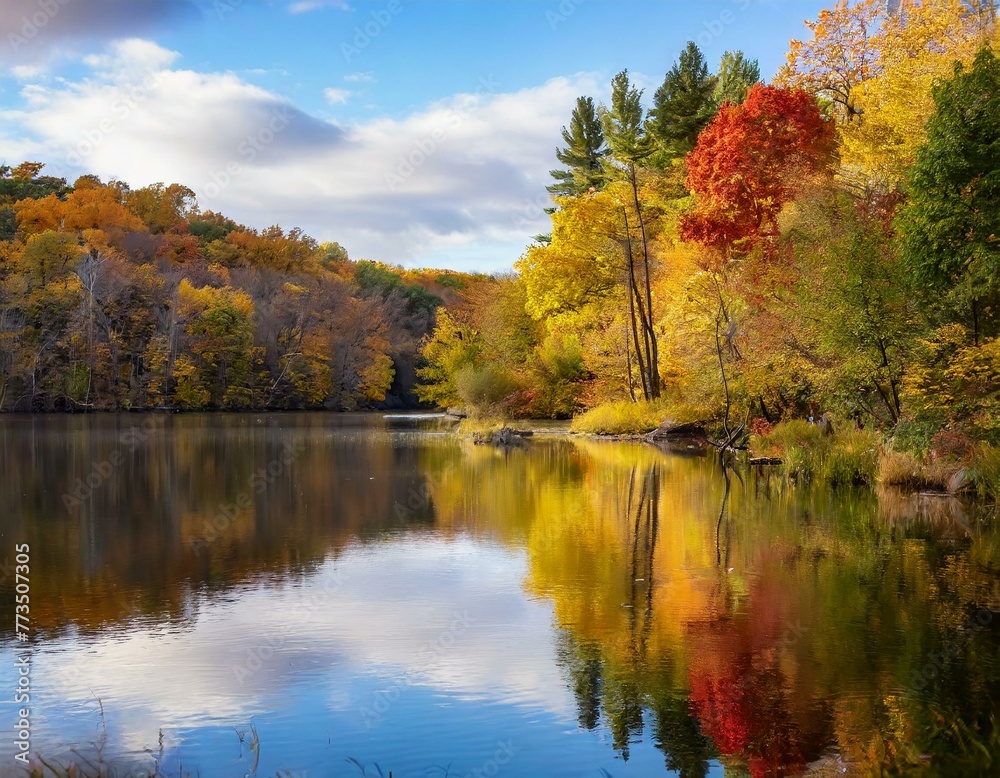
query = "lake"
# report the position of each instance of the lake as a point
(320, 594)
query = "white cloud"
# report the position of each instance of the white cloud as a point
(446, 615)
(336, 96)
(460, 182)
(130, 56)
(366, 76)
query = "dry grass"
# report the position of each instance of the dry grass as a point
(622, 418)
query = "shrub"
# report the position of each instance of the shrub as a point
(807, 452)
(798, 443)
(899, 468)
(852, 458)
(484, 390)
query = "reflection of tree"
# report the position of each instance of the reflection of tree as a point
(192, 501)
(646, 511)
(759, 621)
(630, 681)
(828, 600)
(677, 732)
(746, 713)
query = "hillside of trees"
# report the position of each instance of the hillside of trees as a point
(751, 252)
(120, 298)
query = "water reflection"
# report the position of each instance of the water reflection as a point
(373, 588)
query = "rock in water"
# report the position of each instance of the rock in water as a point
(505, 437)
(959, 482)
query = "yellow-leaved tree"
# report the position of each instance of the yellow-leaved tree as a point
(918, 46)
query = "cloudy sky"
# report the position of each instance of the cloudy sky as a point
(418, 132)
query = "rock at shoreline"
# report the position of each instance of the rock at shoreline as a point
(671, 430)
(457, 413)
(960, 481)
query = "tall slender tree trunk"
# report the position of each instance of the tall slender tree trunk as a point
(654, 360)
(634, 302)
(628, 367)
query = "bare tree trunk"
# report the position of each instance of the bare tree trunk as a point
(633, 297)
(654, 360)
(722, 368)
(628, 367)
(168, 371)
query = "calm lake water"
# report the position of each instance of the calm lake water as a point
(278, 594)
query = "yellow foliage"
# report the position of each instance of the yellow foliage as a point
(582, 262)
(842, 54)
(918, 48)
(195, 301)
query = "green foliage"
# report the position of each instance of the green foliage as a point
(374, 278)
(25, 182)
(624, 125)
(951, 225)
(583, 154)
(986, 472)
(956, 383)
(450, 349)
(684, 104)
(808, 452)
(852, 459)
(485, 391)
(449, 281)
(209, 227)
(797, 443)
(736, 76)
(557, 368)
(861, 296)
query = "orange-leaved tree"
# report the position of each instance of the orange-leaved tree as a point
(748, 164)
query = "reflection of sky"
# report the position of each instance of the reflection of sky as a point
(412, 652)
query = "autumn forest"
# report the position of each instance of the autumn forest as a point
(724, 249)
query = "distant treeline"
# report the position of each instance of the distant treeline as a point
(121, 298)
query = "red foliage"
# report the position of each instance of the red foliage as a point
(749, 162)
(951, 444)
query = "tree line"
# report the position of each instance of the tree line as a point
(120, 298)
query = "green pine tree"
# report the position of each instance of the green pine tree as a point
(585, 149)
(736, 76)
(683, 104)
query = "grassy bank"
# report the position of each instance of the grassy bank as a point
(808, 453)
(863, 457)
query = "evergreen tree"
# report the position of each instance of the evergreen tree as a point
(736, 76)
(683, 104)
(585, 149)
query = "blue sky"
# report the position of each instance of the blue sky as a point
(418, 132)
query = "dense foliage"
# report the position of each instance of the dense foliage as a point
(112, 297)
(825, 244)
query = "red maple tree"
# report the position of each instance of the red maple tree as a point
(749, 162)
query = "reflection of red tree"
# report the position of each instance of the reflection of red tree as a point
(737, 689)
(745, 712)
